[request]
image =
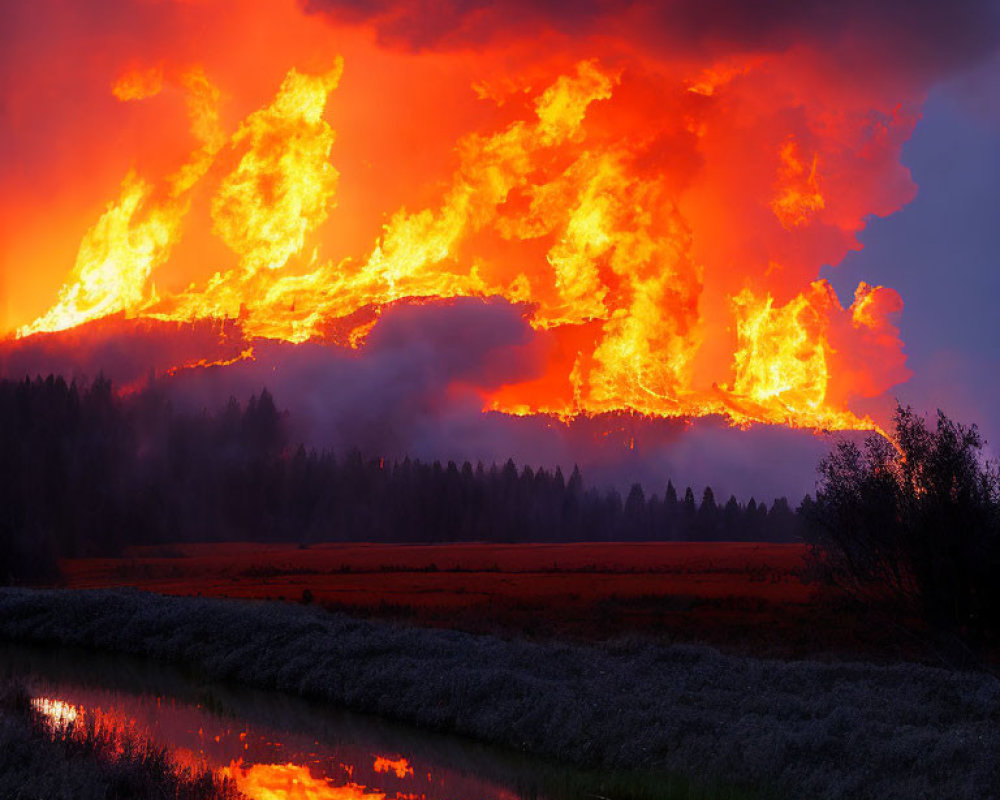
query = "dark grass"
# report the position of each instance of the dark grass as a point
(85, 760)
(798, 729)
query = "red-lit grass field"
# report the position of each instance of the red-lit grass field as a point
(746, 596)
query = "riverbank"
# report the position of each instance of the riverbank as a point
(802, 729)
(264, 737)
(44, 753)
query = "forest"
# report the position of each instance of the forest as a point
(86, 471)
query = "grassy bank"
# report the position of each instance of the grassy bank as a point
(81, 759)
(805, 729)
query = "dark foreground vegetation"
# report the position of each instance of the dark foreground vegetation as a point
(799, 729)
(910, 528)
(914, 526)
(84, 471)
(83, 760)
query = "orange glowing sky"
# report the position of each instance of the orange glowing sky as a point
(659, 184)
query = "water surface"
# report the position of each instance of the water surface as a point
(275, 746)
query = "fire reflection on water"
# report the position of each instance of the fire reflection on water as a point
(294, 782)
(262, 764)
(400, 766)
(58, 713)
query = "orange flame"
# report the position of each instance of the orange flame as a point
(781, 361)
(138, 84)
(799, 197)
(547, 211)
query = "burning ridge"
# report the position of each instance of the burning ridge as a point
(612, 255)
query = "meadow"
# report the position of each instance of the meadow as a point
(753, 598)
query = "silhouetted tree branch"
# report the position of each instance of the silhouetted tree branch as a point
(916, 521)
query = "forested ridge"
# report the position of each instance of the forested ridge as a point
(87, 471)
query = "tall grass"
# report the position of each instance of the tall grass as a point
(85, 759)
(803, 729)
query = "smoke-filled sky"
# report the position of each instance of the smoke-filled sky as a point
(654, 194)
(942, 251)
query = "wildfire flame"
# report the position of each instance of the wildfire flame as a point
(548, 210)
(138, 84)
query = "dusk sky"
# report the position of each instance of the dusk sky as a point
(942, 252)
(654, 194)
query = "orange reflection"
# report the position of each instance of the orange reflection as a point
(400, 766)
(291, 782)
(58, 713)
(259, 781)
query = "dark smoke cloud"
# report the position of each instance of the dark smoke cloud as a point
(926, 36)
(415, 390)
(417, 378)
(128, 352)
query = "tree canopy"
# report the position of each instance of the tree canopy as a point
(915, 520)
(86, 471)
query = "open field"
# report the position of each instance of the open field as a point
(742, 596)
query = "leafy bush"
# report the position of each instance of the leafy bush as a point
(915, 520)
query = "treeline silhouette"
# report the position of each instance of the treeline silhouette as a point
(84, 471)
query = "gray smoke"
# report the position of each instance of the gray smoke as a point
(416, 389)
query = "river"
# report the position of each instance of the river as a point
(276, 746)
